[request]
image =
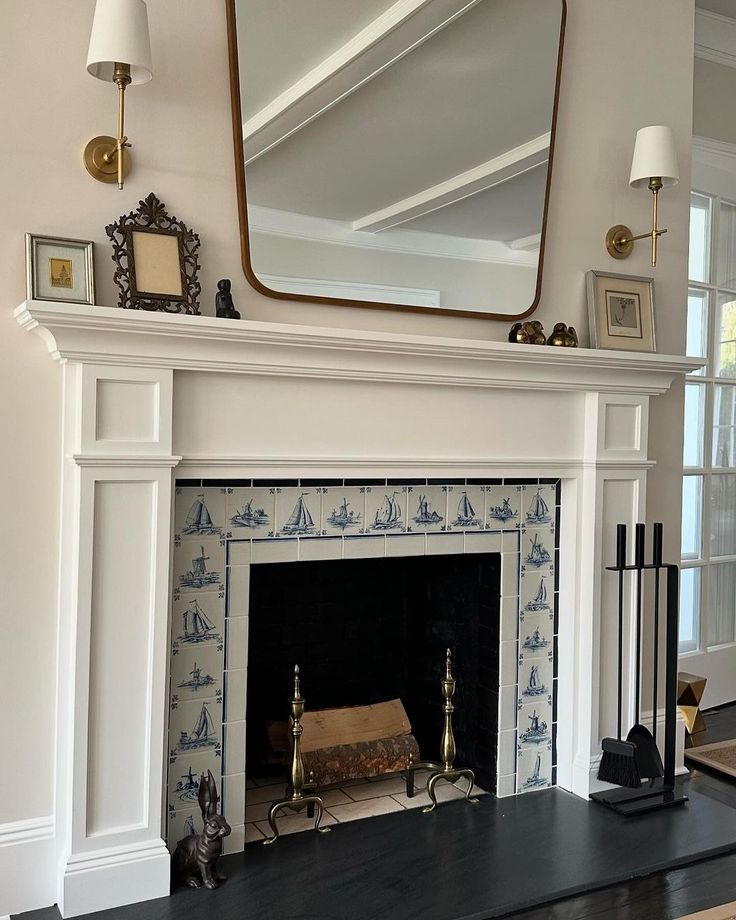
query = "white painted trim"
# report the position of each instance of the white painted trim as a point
(387, 39)
(715, 38)
(527, 243)
(502, 168)
(287, 224)
(27, 865)
(112, 337)
(353, 290)
(710, 152)
(105, 461)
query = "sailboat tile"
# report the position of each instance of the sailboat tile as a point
(196, 673)
(298, 512)
(199, 512)
(198, 622)
(536, 637)
(537, 550)
(199, 565)
(343, 511)
(250, 512)
(184, 777)
(187, 820)
(235, 690)
(233, 748)
(533, 769)
(536, 591)
(465, 507)
(385, 509)
(539, 505)
(195, 726)
(238, 591)
(237, 642)
(426, 508)
(535, 679)
(503, 507)
(535, 723)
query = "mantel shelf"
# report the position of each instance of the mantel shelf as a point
(107, 335)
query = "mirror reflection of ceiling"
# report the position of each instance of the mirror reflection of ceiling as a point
(441, 126)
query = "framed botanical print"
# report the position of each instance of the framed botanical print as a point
(621, 311)
(59, 269)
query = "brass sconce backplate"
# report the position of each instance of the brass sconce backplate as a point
(101, 159)
(619, 241)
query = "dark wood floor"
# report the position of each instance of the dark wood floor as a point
(672, 894)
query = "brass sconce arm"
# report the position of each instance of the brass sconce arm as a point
(620, 240)
(105, 157)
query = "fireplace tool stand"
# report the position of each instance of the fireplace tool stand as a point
(296, 800)
(660, 791)
(445, 771)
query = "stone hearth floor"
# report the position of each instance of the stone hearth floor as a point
(348, 801)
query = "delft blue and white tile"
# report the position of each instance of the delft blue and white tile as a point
(298, 512)
(182, 823)
(537, 550)
(465, 507)
(539, 505)
(535, 722)
(386, 509)
(250, 512)
(503, 507)
(535, 680)
(196, 672)
(199, 512)
(199, 565)
(197, 622)
(536, 633)
(195, 727)
(533, 769)
(343, 511)
(184, 776)
(536, 591)
(426, 508)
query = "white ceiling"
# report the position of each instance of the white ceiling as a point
(723, 7)
(481, 86)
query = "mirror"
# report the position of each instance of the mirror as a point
(396, 154)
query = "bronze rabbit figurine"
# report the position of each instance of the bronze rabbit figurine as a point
(195, 857)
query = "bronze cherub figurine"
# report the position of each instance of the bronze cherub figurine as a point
(195, 857)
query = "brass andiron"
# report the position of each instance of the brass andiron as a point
(446, 770)
(296, 801)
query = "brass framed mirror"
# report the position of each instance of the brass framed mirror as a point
(396, 155)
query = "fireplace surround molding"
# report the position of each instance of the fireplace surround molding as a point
(148, 398)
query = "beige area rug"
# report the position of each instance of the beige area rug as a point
(720, 756)
(724, 912)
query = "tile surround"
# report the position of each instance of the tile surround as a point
(234, 525)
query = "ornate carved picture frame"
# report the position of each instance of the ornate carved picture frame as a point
(156, 260)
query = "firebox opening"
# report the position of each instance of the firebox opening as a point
(371, 630)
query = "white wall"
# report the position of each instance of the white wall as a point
(714, 114)
(180, 127)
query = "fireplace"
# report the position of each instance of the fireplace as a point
(364, 584)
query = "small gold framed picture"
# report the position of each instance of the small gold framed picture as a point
(621, 311)
(59, 269)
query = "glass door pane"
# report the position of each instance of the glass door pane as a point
(726, 354)
(689, 609)
(724, 425)
(722, 607)
(696, 341)
(723, 516)
(692, 516)
(700, 209)
(694, 424)
(726, 271)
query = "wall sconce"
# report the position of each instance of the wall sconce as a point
(120, 53)
(654, 165)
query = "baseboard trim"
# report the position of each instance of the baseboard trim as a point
(114, 877)
(26, 865)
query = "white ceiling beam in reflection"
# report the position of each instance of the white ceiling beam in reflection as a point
(500, 169)
(387, 39)
(529, 243)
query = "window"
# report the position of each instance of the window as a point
(708, 579)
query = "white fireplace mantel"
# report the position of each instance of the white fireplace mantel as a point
(147, 392)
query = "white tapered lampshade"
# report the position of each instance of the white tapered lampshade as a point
(120, 35)
(654, 155)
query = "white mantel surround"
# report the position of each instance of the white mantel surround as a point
(148, 397)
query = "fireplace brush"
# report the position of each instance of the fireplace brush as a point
(625, 763)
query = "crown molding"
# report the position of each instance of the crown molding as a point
(715, 38)
(712, 152)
